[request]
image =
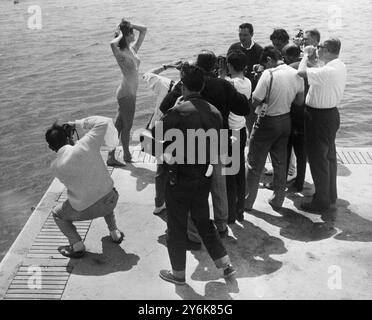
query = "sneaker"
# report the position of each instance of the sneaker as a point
(68, 251)
(240, 215)
(168, 276)
(229, 271)
(159, 210)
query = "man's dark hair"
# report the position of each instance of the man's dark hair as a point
(280, 34)
(272, 52)
(291, 50)
(247, 26)
(237, 59)
(333, 45)
(192, 77)
(314, 33)
(206, 60)
(56, 137)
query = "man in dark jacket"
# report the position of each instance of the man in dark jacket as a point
(250, 48)
(189, 184)
(225, 98)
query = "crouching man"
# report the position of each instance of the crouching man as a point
(90, 189)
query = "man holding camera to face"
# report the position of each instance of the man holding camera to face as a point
(90, 189)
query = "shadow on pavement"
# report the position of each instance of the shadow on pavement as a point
(112, 259)
(249, 253)
(144, 176)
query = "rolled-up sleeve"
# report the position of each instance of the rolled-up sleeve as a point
(262, 86)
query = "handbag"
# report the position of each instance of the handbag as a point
(265, 104)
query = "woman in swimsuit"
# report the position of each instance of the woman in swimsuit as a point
(128, 61)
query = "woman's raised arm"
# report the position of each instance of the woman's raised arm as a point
(142, 33)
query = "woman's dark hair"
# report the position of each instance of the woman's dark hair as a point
(237, 59)
(206, 60)
(280, 34)
(56, 137)
(126, 29)
(272, 52)
(192, 77)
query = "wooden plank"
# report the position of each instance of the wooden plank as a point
(339, 160)
(369, 158)
(43, 286)
(32, 296)
(362, 158)
(34, 291)
(342, 157)
(352, 156)
(51, 241)
(45, 274)
(46, 278)
(43, 282)
(348, 158)
(141, 156)
(46, 268)
(146, 158)
(135, 155)
(44, 246)
(45, 256)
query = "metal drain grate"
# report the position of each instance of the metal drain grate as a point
(38, 282)
(50, 238)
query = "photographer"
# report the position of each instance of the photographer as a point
(90, 189)
(278, 88)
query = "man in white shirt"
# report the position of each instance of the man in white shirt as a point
(322, 120)
(161, 86)
(236, 62)
(90, 188)
(272, 130)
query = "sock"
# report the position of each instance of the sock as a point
(115, 234)
(79, 246)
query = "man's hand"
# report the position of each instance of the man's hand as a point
(72, 124)
(176, 65)
(309, 50)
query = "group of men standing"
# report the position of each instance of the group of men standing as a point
(270, 104)
(276, 100)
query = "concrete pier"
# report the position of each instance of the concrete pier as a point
(286, 255)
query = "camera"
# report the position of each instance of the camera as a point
(257, 71)
(70, 131)
(298, 39)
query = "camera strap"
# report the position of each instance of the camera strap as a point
(265, 105)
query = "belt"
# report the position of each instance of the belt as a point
(285, 115)
(319, 109)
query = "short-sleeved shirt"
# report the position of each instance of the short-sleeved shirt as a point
(285, 86)
(327, 85)
(160, 86)
(244, 86)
